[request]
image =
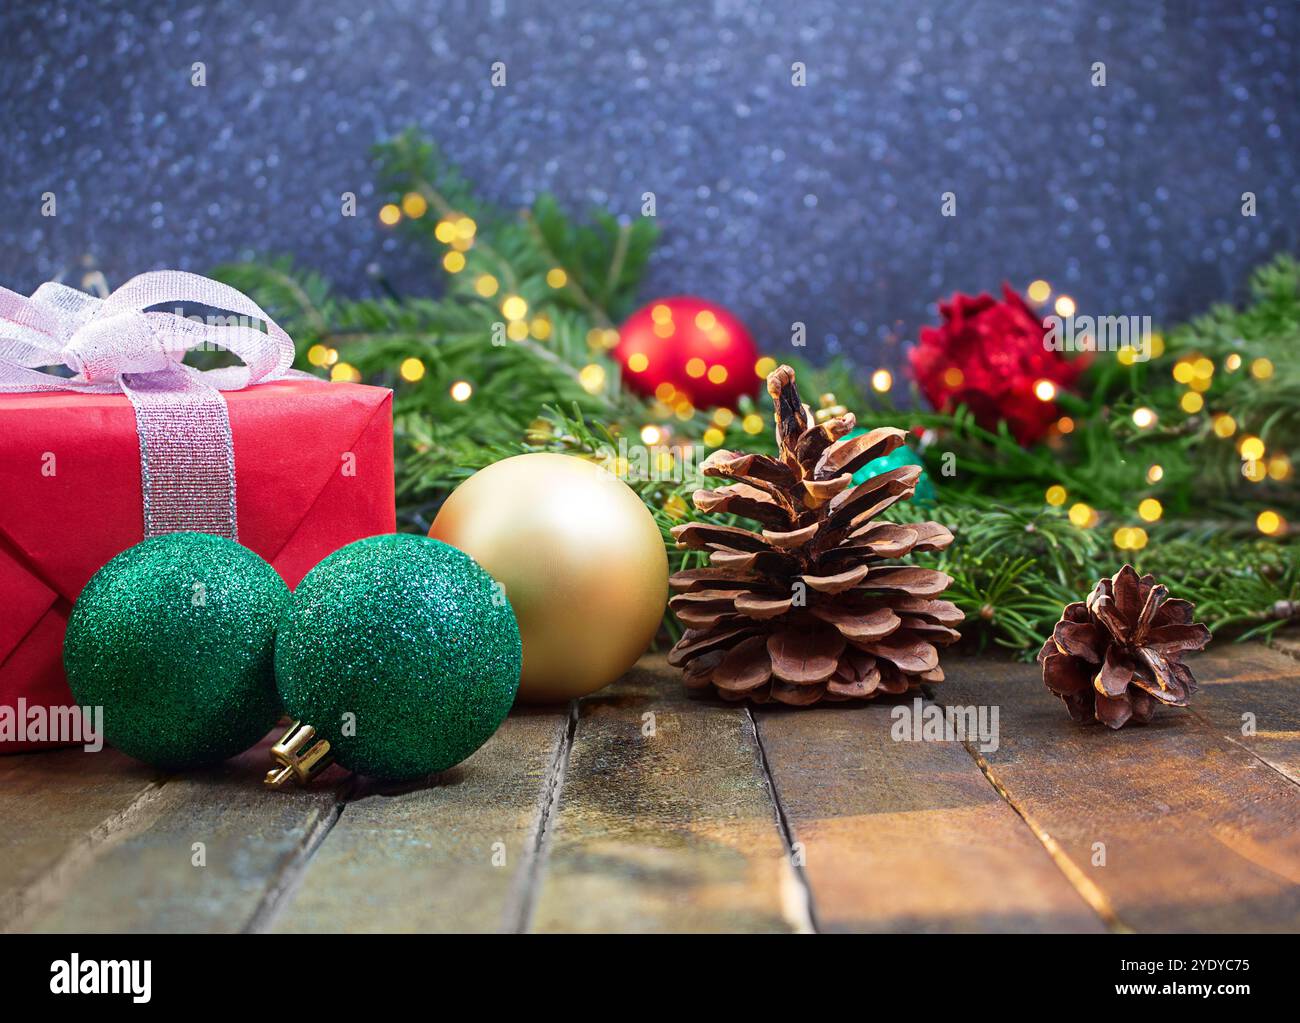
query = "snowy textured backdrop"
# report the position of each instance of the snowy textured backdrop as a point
(818, 204)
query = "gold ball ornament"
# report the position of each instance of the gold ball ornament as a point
(581, 559)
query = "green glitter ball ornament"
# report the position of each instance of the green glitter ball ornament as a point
(402, 652)
(175, 639)
(925, 494)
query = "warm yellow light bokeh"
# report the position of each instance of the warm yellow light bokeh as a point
(1269, 523)
(1224, 425)
(592, 378)
(414, 205)
(1150, 510)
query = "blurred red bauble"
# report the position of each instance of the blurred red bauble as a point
(699, 349)
(990, 356)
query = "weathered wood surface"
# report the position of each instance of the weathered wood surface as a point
(1251, 695)
(907, 836)
(1166, 827)
(456, 854)
(669, 831)
(1287, 641)
(56, 809)
(640, 809)
(200, 855)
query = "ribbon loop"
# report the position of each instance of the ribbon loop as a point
(123, 344)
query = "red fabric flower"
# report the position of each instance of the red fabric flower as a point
(988, 355)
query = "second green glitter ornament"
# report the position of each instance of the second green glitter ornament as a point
(402, 653)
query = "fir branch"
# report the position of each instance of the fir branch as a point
(1015, 561)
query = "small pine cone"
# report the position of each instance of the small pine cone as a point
(1115, 656)
(809, 607)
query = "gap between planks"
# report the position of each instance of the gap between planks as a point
(279, 892)
(803, 912)
(1089, 892)
(523, 900)
(20, 908)
(284, 885)
(1243, 746)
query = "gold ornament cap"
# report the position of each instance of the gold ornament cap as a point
(299, 758)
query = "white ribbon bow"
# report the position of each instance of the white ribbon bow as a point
(104, 339)
(116, 344)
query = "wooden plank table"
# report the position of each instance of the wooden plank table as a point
(640, 809)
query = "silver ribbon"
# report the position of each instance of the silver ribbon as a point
(116, 345)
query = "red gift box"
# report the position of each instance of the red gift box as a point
(313, 471)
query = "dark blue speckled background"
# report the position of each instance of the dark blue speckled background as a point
(818, 204)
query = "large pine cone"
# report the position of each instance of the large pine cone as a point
(810, 607)
(1115, 656)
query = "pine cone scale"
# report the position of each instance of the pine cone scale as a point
(744, 667)
(805, 655)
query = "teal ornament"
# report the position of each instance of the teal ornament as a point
(925, 494)
(402, 652)
(175, 640)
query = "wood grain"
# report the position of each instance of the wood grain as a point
(908, 835)
(594, 825)
(1251, 695)
(199, 857)
(453, 855)
(1197, 834)
(673, 831)
(55, 809)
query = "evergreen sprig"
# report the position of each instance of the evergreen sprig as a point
(1016, 560)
